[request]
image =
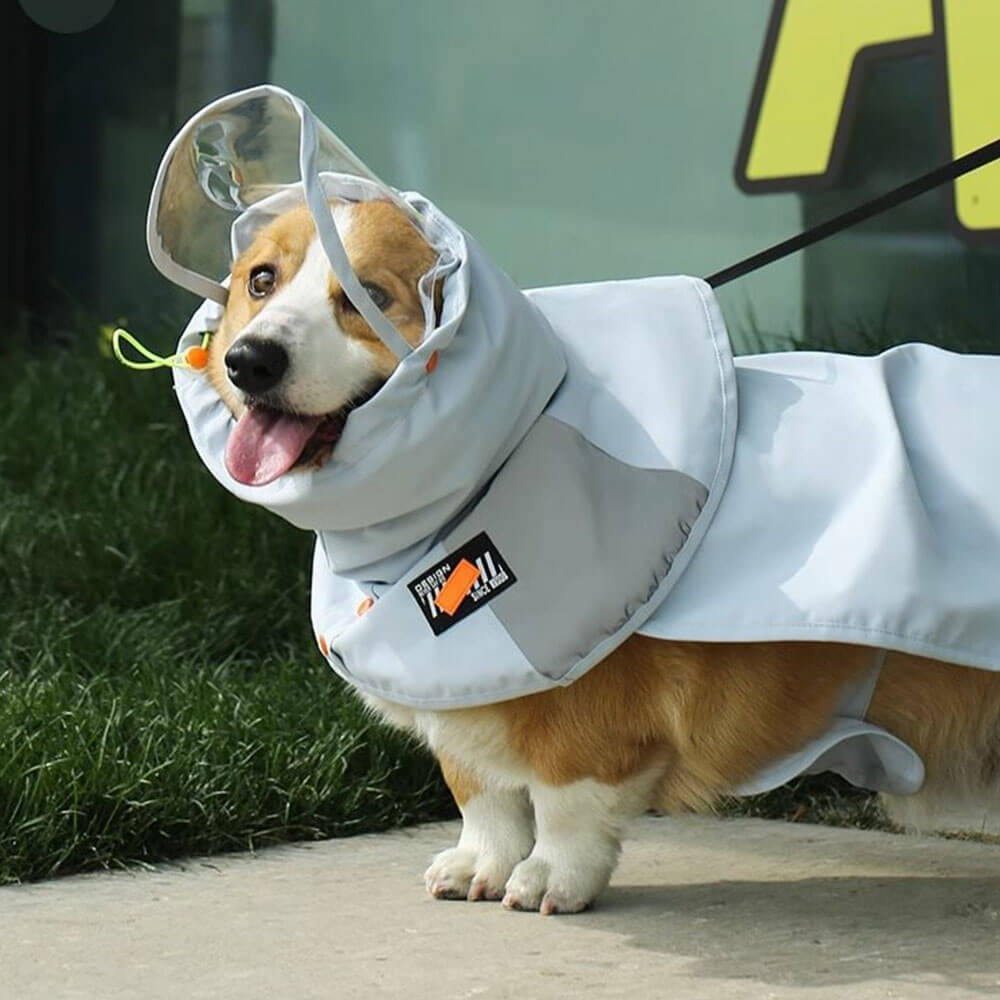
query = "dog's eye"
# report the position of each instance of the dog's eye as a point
(262, 279)
(378, 295)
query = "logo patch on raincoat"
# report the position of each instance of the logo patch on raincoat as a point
(463, 582)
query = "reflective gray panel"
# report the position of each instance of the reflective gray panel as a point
(588, 537)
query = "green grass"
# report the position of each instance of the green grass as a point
(814, 798)
(160, 690)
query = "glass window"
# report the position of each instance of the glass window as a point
(577, 141)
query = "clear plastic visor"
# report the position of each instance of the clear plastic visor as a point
(233, 154)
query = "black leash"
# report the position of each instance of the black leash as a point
(911, 189)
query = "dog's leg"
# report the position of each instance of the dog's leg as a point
(496, 835)
(578, 842)
(951, 716)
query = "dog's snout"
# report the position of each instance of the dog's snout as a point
(256, 365)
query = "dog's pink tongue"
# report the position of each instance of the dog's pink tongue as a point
(264, 445)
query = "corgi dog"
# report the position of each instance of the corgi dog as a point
(547, 783)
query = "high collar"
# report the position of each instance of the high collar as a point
(414, 455)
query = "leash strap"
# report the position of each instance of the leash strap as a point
(905, 192)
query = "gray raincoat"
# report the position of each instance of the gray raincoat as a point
(572, 470)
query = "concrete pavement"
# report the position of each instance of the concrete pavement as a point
(704, 908)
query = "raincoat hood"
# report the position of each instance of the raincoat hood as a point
(388, 491)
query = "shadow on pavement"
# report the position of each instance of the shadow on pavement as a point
(821, 931)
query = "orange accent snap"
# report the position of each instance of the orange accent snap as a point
(432, 362)
(457, 587)
(323, 648)
(196, 357)
(365, 606)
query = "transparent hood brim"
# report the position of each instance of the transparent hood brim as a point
(235, 153)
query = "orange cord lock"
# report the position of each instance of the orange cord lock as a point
(432, 362)
(323, 648)
(196, 357)
(365, 606)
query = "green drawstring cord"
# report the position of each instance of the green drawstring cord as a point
(194, 358)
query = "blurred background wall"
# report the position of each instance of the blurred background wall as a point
(576, 140)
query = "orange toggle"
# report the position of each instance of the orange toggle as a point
(365, 606)
(323, 648)
(432, 362)
(456, 588)
(196, 357)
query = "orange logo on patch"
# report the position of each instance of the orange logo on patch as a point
(456, 588)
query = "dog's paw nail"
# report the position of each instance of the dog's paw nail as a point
(481, 889)
(445, 890)
(553, 904)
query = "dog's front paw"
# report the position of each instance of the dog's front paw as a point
(464, 873)
(451, 873)
(537, 884)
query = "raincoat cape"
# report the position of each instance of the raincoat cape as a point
(571, 469)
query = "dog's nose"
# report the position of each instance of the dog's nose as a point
(256, 365)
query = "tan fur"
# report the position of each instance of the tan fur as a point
(951, 716)
(462, 782)
(710, 715)
(382, 246)
(707, 715)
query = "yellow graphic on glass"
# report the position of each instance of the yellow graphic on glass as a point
(972, 38)
(796, 124)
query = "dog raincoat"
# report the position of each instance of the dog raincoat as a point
(547, 473)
